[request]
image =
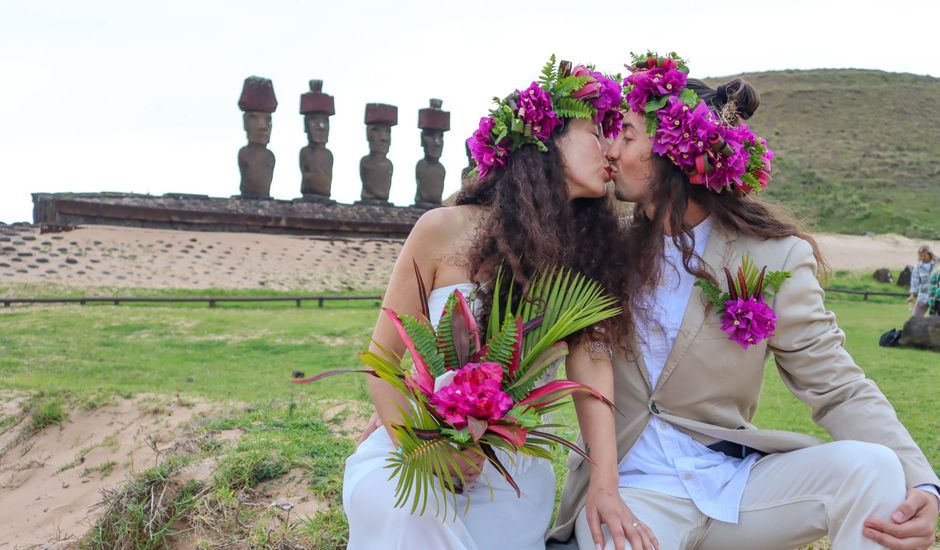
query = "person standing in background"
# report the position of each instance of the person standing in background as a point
(920, 281)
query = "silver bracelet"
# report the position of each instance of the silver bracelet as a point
(598, 346)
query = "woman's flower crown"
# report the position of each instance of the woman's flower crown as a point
(530, 116)
(685, 130)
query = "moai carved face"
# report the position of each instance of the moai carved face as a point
(433, 143)
(318, 128)
(258, 127)
(380, 138)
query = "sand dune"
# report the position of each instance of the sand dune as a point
(109, 256)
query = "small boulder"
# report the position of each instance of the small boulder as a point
(921, 332)
(883, 275)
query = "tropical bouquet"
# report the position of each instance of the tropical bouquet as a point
(477, 394)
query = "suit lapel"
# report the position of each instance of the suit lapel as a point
(717, 254)
(637, 351)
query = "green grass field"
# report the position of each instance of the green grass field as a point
(246, 353)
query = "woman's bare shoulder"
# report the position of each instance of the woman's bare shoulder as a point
(448, 224)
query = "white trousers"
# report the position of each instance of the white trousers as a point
(791, 499)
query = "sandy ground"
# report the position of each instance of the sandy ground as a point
(106, 256)
(50, 481)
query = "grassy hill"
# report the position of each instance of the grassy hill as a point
(857, 150)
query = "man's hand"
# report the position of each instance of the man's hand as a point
(605, 506)
(912, 526)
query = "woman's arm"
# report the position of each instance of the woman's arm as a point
(401, 296)
(431, 239)
(604, 505)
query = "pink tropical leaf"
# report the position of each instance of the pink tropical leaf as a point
(731, 288)
(422, 292)
(422, 375)
(332, 373)
(516, 349)
(532, 325)
(476, 427)
(562, 441)
(556, 391)
(464, 308)
(512, 433)
(494, 460)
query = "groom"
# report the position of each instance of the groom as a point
(689, 469)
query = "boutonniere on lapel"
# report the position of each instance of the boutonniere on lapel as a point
(743, 309)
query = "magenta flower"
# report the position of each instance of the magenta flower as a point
(651, 83)
(748, 321)
(609, 99)
(475, 391)
(683, 132)
(485, 153)
(535, 110)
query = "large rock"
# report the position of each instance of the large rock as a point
(883, 275)
(922, 332)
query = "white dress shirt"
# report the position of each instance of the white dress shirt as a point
(664, 459)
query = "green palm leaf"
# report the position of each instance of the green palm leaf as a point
(568, 303)
(422, 466)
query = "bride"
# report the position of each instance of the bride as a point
(540, 200)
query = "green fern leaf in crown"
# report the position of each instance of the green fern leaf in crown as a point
(751, 181)
(549, 74)
(568, 107)
(569, 84)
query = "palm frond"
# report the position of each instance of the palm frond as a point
(569, 303)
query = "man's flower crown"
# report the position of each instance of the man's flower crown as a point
(530, 116)
(685, 130)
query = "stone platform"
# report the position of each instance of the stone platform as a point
(204, 213)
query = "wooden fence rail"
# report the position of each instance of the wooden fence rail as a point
(7, 302)
(212, 301)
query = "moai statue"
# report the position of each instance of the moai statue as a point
(471, 164)
(375, 169)
(255, 161)
(429, 171)
(316, 161)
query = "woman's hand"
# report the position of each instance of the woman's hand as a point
(605, 506)
(469, 461)
(470, 465)
(374, 423)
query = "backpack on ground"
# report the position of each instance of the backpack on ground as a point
(890, 338)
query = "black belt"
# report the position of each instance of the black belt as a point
(735, 450)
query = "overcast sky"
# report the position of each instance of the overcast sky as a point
(142, 96)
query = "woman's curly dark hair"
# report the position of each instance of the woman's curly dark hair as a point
(531, 224)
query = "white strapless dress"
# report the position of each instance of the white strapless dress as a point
(505, 521)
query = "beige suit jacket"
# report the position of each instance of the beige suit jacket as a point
(710, 387)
